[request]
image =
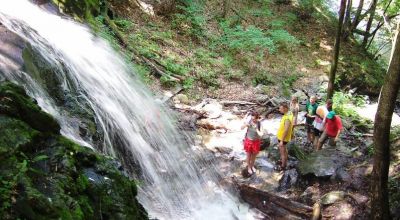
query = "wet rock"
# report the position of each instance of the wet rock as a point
(16, 103)
(224, 150)
(332, 197)
(55, 174)
(311, 195)
(288, 180)
(323, 163)
(343, 176)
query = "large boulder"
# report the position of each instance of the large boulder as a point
(323, 163)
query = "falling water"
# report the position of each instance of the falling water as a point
(172, 185)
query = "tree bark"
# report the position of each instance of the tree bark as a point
(347, 20)
(369, 24)
(383, 119)
(332, 72)
(356, 20)
(226, 8)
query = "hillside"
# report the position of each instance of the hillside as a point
(283, 46)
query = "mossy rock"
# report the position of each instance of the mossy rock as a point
(44, 175)
(16, 103)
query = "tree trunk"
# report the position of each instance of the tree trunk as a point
(369, 24)
(347, 20)
(356, 20)
(332, 73)
(383, 119)
(226, 8)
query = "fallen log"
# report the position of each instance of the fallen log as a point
(226, 102)
(361, 135)
(275, 206)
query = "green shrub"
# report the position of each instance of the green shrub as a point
(249, 39)
(234, 74)
(188, 83)
(345, 102)
(283, 38)
(191, 15)
(277, 24)
(123, 24)
(208, 78)
(262, 78)
(173, 67)
(167, 81)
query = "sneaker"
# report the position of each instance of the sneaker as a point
(250, 171)
(253, 169)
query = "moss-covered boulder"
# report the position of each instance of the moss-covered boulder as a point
(43, 175)
(16, 103)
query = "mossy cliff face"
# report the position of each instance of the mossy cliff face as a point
(43, 175)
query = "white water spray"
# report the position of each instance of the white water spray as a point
(172, 185)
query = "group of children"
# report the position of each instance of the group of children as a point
(321, 124)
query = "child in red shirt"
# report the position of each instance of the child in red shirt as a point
(333, 127)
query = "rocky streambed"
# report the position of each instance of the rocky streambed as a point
(333, 181)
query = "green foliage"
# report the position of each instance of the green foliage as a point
(208, 78)
(250, 39)
(287, 84)
(394, 191)
(191, 19)
(140, 41)
(283, 38)
(277, 24)
(188, 83)
(167, 81)
(370, 150)
(173, 67)
(235, 74)
(123, 24)
(260, 12)
(143, 72)
(263, 78)
(344, 102)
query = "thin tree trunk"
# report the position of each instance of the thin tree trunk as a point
(332, 72)
(356, 20)
(347, 20)
(226, 8)
(383, 119)
(369, 24)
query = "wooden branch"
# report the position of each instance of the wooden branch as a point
(239, 15)
(361, 135)
(270, 111)
(361, 32)
(159, 71)
(226, 102)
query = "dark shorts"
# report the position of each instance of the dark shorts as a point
(252, 146)
(317, 132)
(284, 143)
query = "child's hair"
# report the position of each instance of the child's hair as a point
(255, 114)
(285, 105)
(295, 99)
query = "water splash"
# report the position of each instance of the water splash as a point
(172, 184)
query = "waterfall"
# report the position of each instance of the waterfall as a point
(172, 183)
